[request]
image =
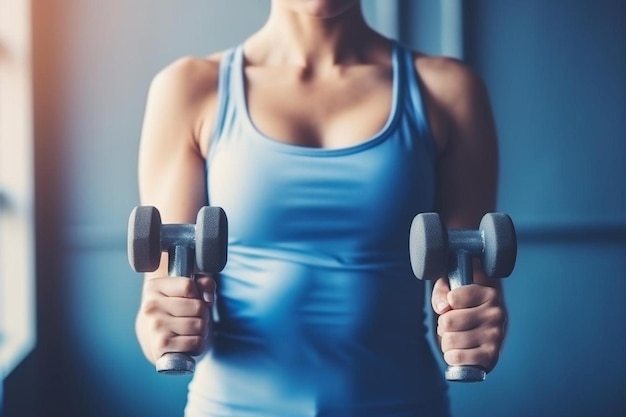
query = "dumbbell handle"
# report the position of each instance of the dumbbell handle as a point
(461, 272)
(467, 240)
(181, 263)
(460, 269)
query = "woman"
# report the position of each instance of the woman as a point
(321, 139)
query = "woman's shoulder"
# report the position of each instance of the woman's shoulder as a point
(454, 93)
(184, 94)
(189, 76)
(448, 79)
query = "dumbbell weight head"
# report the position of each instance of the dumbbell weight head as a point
(211, 239)
(144, 239)
(436, 251)
(500, 245)
(428, 246)
(148, 237)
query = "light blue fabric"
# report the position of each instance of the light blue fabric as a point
(318, 311)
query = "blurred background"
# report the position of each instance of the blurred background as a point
(556, 72)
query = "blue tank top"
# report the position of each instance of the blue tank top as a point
(317, 311)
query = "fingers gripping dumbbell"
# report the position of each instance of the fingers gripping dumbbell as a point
(203, 245)
(436, 251)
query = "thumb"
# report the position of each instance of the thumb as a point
(206, 288)
(439, 298)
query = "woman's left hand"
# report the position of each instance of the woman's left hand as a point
(471, 324)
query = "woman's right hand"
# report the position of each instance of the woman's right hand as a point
(175, 314)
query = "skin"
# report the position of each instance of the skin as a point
(319, 49)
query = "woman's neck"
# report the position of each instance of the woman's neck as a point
(299, 39)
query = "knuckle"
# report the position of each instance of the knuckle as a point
(162, 342)
(455, 357)
(449, 341)
(445, 322)
(487, 336)
(157, 324)
(488, 357)
(498, 315)
(198, 308)
(491, 293)
(198, 326)
(151, 306)
(497, 334)
(491, 351)
(188, 288)
(196, 345)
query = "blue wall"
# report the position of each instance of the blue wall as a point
(556, 71)
(93, 62)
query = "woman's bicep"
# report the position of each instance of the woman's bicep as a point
(171, 168)
(468, 170)
(468, 167)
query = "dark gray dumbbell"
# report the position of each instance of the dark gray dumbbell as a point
(203, 245)
(436, 251)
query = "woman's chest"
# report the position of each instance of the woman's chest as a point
(331, 112)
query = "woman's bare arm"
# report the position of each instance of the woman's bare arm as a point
(172, 178)
(471, 320)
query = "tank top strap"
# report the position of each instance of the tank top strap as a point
(414, 102)
(225, 106)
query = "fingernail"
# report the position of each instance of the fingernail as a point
(208, 296)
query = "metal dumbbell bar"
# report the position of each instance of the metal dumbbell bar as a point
(203, 244)
(436, 252)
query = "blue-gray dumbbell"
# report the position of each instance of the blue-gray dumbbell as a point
(203, 244)
(436, 252)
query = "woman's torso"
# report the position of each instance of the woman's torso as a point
(318, 312)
